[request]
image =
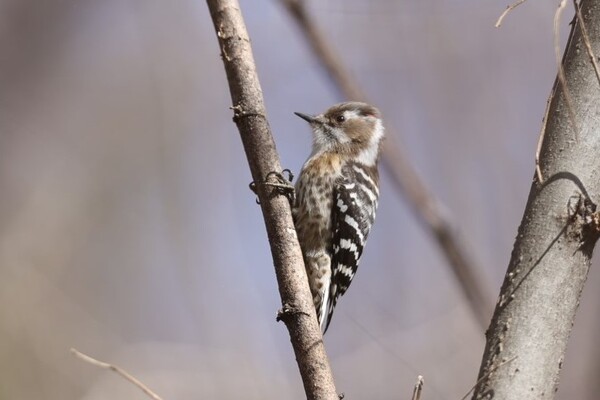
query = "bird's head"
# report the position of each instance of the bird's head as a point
(351, 128)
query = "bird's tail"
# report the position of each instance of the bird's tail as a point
(325, 311)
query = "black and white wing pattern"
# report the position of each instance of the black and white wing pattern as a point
(353, 213)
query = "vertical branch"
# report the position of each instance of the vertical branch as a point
(424, 205)
(298, 311)
(559, 230)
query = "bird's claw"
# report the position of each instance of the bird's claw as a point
(279, 182)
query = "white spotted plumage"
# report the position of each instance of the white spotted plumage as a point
(336, 199)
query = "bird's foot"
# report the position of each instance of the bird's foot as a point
(279, 182)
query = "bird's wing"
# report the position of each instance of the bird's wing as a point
(353, 212)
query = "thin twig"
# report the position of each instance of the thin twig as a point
(418, 388)
(425, 206)
(118, 370)
(488, 373)
(586, 40)
(561, 71)
(508, 9)
(538, 150)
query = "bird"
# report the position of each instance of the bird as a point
(336, 199)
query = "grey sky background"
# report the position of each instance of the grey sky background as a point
(127, 229)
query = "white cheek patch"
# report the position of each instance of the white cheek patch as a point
(369, 155)
(379, 132)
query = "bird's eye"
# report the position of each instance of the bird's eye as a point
(340, 118)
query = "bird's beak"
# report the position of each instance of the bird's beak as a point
(307, 117)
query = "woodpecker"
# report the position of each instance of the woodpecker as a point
(337, 194)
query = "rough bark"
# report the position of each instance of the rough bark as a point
(298, 311)
(528, 334)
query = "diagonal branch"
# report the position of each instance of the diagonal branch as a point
(298, 311)
(425, 206)
(119, 371)
(509, 8)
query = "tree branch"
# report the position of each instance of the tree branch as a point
(298, 311)
(119, 371)
(553, 249)
(424, 205)
(509, 8)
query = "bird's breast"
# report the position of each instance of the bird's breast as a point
(314, 200)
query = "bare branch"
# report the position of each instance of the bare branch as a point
(250, 116)
(508, 10)
(426, 208)
(118, 370)
(552, 253)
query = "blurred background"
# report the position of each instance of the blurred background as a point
(127, 229)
